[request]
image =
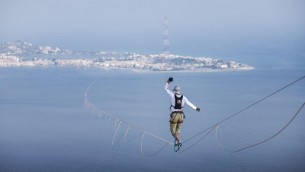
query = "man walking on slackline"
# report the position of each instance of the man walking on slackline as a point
(177, 116)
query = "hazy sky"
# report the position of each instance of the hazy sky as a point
(137, 25)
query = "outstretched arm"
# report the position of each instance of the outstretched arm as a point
(191, 105)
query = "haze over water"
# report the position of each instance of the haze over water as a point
(44, 125)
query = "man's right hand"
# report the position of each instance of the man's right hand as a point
(170, 79)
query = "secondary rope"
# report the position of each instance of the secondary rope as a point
(118, 122)
(242, 110)
(263, 141)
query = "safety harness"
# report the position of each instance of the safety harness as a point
(178, 103)
(178, 108)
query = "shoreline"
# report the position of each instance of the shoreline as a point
(247, 68)
(23, 54)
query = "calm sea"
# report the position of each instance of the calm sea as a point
(44, 125)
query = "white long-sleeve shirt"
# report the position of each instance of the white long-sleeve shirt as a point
(172, 98)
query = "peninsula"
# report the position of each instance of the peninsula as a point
(24, 54)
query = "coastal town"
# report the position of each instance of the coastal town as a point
(23, 54)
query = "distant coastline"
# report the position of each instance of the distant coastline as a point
(24, 54)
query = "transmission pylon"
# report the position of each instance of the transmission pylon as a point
(165, 36)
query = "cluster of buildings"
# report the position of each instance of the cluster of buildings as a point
(26, 55)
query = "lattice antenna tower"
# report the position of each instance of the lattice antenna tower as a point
(165, 36)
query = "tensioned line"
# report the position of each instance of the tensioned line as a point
(216, 125)
(118, 122)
